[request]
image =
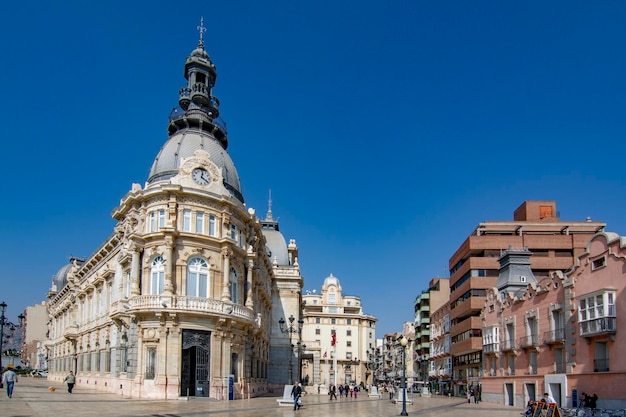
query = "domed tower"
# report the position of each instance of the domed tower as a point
(195, 126)
(184, 285)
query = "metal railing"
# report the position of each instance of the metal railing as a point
(529, 341)
(601, 365)
(603, 325)
(508, 345)
(554, 336)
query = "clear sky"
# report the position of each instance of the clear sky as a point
(387, 130)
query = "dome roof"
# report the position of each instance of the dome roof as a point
(183, 144)
(276, 246)
(60, 278)
(331, 280)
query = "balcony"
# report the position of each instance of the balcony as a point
(508, 345)
(598, 327)
(601, 365)
(529, 341)
(189, 304)
(554, 336)
(71, 332)
(491, 348)
(559, 368)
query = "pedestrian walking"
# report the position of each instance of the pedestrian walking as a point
(332, 392)
(296, 392)
(70, 379)
(9, 378)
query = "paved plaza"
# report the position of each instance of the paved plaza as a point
(31, 398)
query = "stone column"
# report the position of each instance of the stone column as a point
(216, 365)
(134, 270)
(226, 254)
(249, 301)
(169, 265)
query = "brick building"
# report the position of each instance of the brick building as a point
(554, 245)
(559, 334)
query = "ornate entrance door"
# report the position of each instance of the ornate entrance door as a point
(196, 363)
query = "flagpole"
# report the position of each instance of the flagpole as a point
(335, 363)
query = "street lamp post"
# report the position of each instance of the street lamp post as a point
(290, 328)
(22, 318)
(3, 308)
(403, 343)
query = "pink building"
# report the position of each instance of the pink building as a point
(558, 334)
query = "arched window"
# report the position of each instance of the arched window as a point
(197, 277)
(157, 275)
(234, 286)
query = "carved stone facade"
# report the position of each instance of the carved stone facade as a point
(180, 300)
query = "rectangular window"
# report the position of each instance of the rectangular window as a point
(186, 220)
(349, 333)
(598, 263)
(348, 321)
(317, 320)
(152, 224)
(212, 231)
(332, 321)
(332, 298)
(233, 232)
(596, 313)
(199, 222)
(317, 331)
(123, 359)
(150, 362)
(161, 218)
(349, 343)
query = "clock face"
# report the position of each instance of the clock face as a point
(201, 176)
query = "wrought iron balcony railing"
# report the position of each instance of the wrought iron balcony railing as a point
(554, 336)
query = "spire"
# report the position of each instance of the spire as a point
(201, 29)
(269, 207)
(269, 222)
(199, 108)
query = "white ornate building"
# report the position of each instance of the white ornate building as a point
(184, 297)
(331, 312)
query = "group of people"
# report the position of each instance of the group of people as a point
(531, 406)
(9, 378)
(472, 394)
(588, 401)
(344, 390)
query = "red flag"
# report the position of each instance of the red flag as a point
(333, 340)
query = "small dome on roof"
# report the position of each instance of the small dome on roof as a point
(60, 278)
(331, 280)
(200, 52)
(276, 247)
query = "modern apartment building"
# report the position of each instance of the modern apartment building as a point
(560, 334)
(34, 332)
(554, 245)
(437, 294)
(440, 364)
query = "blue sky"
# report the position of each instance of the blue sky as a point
(386, 130)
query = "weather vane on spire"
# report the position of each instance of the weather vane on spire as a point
(201, 29)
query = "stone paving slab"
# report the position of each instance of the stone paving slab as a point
(31, 398)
